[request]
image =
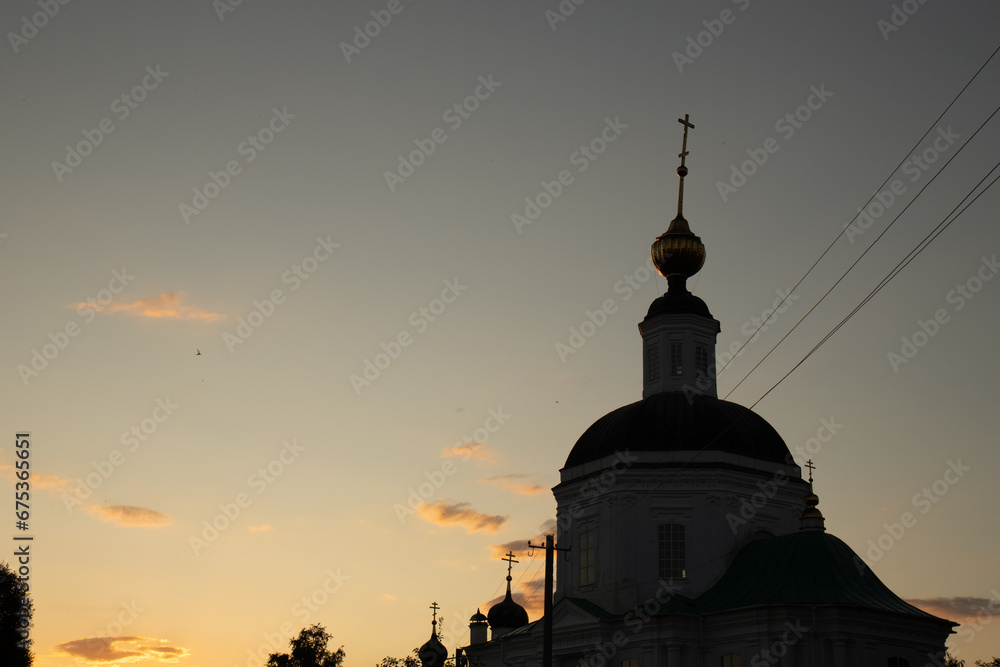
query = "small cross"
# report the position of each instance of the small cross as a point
(434, 606)
(684, 147)
(809, 464)
(510, 562)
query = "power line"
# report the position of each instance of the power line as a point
(944, 224)
(879, 237)
(863, 207)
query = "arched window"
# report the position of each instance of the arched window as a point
(630, 662)
(672, 551)
(732, 660)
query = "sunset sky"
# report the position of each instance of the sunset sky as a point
(385, 249)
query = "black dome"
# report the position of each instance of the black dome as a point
(677, 302)
(674, 421)
(507, 613)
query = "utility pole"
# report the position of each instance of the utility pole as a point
(550, 549)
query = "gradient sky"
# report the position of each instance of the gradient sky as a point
(477, 405)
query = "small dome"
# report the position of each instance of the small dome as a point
(672, 421)
(678, 252)
(677, 302)
(433, 653)
(478, 617)
(507, 613)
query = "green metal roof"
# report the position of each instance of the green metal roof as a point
(807, 567)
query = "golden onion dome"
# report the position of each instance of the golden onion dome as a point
(678, 251)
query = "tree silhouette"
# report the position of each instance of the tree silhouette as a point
(408, 661)
(951, 661)
(309, 650)
(15, 620)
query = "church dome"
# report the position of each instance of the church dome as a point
(507, 613)
(433, 653)
(674, 421)
(676, 302)
(810, 567)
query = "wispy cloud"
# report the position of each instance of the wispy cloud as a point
(129, 515)
(388, 596)
(516, 547)
(956, 608)
(476, 451)
(548, 526)
(117, 650)
(164, 306)
(262, 528)
(447, 513)
(513, 482)
(40, 480)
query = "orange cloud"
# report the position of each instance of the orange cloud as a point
(262, 528)
(445, 513)
(509, 482)
(39, 480)
(166, 306)
(528, 594)
(117, 650)
(962, 609)
(43, 480)
(516, 547)
(471, 450)
(129, 515)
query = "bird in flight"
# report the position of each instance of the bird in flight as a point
(199, 352)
